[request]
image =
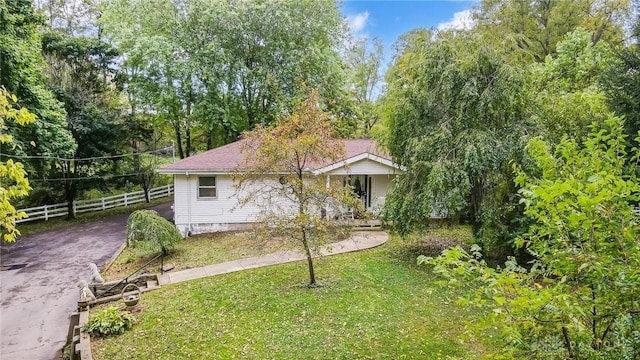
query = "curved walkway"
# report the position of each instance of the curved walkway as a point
(359, 240)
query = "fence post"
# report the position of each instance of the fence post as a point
(46, 213)
(75, 208)
(126, 200)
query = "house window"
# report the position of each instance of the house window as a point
(207, 187)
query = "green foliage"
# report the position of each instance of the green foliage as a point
(455, 121)
(537, 26)
(620, 83)
(13, 178)
(565, 88)
(22, 74)
(579, 296)
(79, 69)
(149, 231)
(365, 62)
(239, 65)
(109, 322)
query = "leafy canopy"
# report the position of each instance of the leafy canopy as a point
(13, 178)
(579, 296)
(455, 120)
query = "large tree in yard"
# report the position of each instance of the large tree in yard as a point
(455, 120)
(276, 176)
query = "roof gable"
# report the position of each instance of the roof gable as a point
(357, 159)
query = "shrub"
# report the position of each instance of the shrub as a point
(149, 231)
(578, 297)
(108, 322)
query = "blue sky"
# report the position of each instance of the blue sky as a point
(389, 19)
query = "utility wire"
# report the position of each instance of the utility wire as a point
(85, 159)
(86, 177)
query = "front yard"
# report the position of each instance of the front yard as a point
(374, 304)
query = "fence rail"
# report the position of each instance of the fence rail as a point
(47, 212)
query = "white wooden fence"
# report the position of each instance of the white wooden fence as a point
(47, 212)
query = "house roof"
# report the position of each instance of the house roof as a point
(227, 158)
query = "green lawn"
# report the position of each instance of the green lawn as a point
(196, 251)
(374, 304)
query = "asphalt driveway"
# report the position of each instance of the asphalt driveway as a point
(38, 299)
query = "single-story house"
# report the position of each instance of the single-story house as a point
(205, 198)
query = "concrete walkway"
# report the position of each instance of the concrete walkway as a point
(359, 240)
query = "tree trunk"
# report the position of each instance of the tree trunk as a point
(312, 275)
(187, 126)
(70, 187)
(147, 197)
(176, 128)
(70, 192)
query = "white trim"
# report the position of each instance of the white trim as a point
(214, 187)
(355, 159)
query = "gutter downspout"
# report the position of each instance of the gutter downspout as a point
(188, 205)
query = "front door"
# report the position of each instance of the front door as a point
(361, 185)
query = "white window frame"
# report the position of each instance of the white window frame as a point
(214, 187)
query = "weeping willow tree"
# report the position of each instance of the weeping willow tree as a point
(150, 232)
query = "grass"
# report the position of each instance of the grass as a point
(60, 222)
(196, 251)
(373, 304)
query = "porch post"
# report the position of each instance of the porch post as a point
(325, 210)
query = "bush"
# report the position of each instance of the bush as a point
(149, 231)
(108, 322)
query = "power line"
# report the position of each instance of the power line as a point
(45, 157)
(86, 177)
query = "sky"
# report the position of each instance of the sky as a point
(388, 19)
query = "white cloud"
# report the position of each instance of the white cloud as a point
(462, 20)
(357, 22)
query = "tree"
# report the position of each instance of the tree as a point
(365, 66)
(151, 232)
(22, 74)
(294, 201)
(566, 95)
(79, 72)
(455, 121)
(578, 298)
(620, 83)
(73, 17)
(147, 166)
(210, 70)
(13, 179)
(537, 26)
